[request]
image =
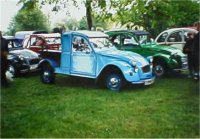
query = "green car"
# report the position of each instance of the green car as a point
(165, 59)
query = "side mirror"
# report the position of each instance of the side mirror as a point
(87, 50)
(152, 40)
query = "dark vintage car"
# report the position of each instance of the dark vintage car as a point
(20, 60)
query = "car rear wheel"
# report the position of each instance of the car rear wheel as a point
(114, 81)
(47, 74)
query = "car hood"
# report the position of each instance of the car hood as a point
(24, 53)
(125, 56)
(160, 48)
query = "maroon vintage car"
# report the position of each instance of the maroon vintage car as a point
(39, 42)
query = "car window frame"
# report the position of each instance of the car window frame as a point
(173, 33)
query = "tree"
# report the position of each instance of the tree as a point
(28, 19)
(153, 15)
(60, 4)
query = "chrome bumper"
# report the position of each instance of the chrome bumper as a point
(145, 81)
(32, 68)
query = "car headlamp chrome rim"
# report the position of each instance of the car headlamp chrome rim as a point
(151, 59)
(134, 63)
(136, 69)
(21, 58)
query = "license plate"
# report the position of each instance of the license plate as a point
(33, 66)
(148, 82)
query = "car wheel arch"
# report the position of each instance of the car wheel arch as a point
(108, 69)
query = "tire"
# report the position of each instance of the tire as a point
(114, 81)
(12, 71)
(47, 74)
(159, 69)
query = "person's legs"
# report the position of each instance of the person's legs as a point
(196, 67)
(190, 66)
(3, 70)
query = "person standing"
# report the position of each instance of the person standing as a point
(187, 49)
(195, 52)
(4, 61)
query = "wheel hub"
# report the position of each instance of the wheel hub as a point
(114, 81)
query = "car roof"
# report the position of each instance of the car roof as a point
(49, 35)
(137, 32)
(177, 29)
(169, 31)
(90, 34)
(22, 34)
(9, 37)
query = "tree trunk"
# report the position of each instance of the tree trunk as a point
(89, 13)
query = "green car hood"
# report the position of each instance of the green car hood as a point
(162, 49)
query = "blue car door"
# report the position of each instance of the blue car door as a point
(83, 60)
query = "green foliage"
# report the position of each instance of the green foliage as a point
(83, 24)
(28, 19)
(154, 15)
(74, 107)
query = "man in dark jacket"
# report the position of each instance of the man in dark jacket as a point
(195, 52)
(187, 49)
(4, 61)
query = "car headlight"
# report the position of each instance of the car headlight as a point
(136, 69)
(134, 63)
(21, 58)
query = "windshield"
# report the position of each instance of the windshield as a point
(101, 43)
(13, 44)
(144, 39)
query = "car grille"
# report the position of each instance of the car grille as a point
(33, 61)
(146, 68)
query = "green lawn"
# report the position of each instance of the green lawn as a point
(76, 108)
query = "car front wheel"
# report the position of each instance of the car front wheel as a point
(11, 70)
(114, 82)
(159, 69)
(47, 74)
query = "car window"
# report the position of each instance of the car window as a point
(175, 37)
(162, 37)
(33, 41)
(53, 40)
(115, 40)
(185, 35)
(80, 44)
(128, 41)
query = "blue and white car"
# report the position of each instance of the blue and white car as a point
(90, 54)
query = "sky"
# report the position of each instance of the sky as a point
(9, 8)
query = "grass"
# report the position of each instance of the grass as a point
(76, 108)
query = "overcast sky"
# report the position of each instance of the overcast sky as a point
(9, 8)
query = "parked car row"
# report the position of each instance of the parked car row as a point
(112, 58)
(166, 59)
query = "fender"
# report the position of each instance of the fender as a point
(169, 61)
(126, 69)
(52, 62)
(165, 58)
